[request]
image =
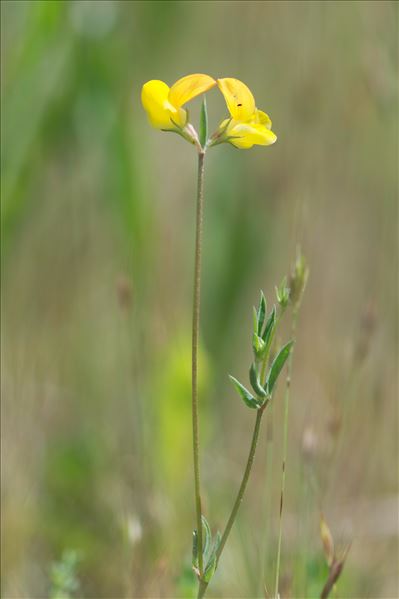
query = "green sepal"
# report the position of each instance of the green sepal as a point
(298, 279)
(246, 396)
(203, 124)
(261, 315)
(255, 382)
(283, 293)
(277, 366)
(180, 131)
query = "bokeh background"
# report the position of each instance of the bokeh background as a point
(97, 241)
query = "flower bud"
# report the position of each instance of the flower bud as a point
(298, 280)
(283, 293)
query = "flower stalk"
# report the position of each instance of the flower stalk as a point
(194, 356)
(240, 495)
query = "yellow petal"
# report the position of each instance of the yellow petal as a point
(239, 99)
(154, 97)
(189, 87)
(263, 118)
(245, 135)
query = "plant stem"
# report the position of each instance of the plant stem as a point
(240, 494)
(285, 443)
(202, 589)
(194, 372)
(244, 482)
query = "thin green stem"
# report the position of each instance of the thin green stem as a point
(285, 444)
(240, 494)
(244, 482)
(202, 589)
(194, 372)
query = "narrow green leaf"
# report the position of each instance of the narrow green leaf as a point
(247, 397)
(270, 325)
(255, 320)
(210, 570)
(261, 313)
(195, 549)
(255, 382)
(203, 124)
(207, 536)
(211, 565)
(277, 366)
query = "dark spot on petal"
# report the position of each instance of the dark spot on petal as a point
(239, 104)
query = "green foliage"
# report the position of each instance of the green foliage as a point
(63, 576)
(255, 381)
(277, 366)
(269, 330)
(211, 562)
(207, 535)
(261, 347)
(263, 337)
(261, 314)
(210, 547)
(246, 396)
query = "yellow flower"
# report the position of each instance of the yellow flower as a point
(164, 105)
(248, 125)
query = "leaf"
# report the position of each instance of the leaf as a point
(207, 537)
(255, 320)
(211, 565)
(195, 549)
(255, 382)
(247, 397)
(270, 325)
(203, 124)
(210, 569)
(277, 366)
(261, 313)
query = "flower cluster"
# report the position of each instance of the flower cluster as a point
(246, 126)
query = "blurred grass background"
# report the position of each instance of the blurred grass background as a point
(97, 239)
